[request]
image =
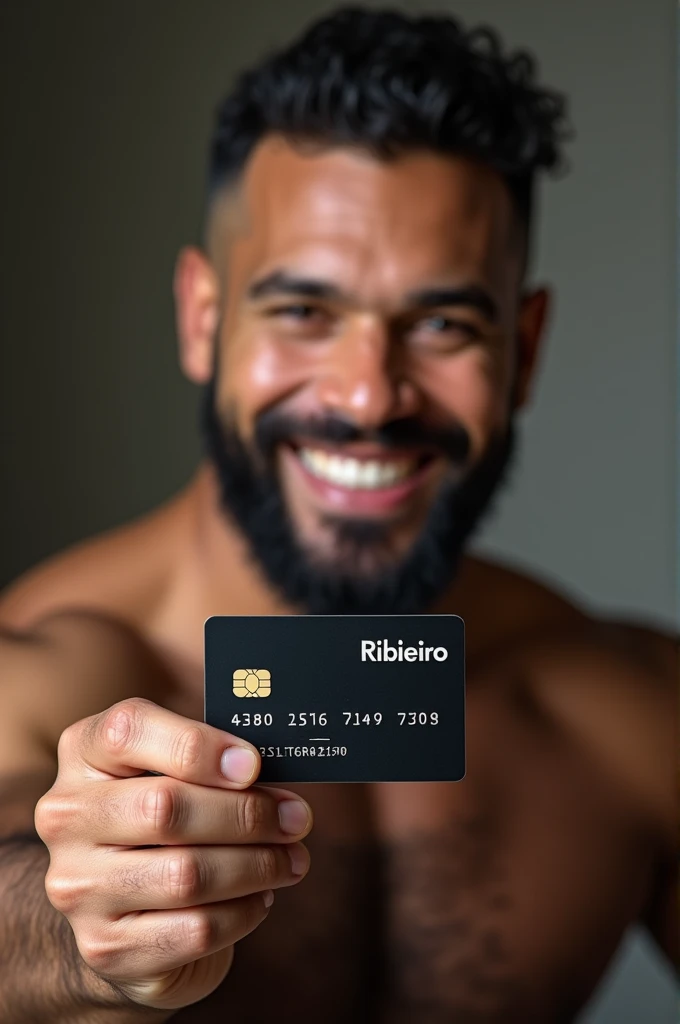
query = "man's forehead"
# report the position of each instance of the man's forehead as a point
(430, 206)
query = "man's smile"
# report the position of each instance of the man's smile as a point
(361, 479)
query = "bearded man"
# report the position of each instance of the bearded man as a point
(362, 325)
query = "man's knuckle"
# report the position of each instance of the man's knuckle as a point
(65, 892)
(56, 816)
(249, 814)
(202, 933)
(99, 951)
(161, 810)
(183, 878)
(42, 817)
(187, 750)
(120, 726)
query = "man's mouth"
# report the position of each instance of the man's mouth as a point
(362, 479)
(357, 474)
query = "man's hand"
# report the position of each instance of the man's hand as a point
(160, 924)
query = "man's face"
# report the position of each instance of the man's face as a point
(371, 346)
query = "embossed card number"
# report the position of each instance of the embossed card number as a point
(341, 698)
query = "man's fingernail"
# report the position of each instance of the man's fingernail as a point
(238, 764)
(268, 898)
(293, 816)
(299, 859)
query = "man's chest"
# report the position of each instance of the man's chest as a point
(377, 925)
(452, 917)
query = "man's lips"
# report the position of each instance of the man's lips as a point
(360, 478)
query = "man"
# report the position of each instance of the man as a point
(365, 336)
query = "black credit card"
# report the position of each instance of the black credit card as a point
(341, 698)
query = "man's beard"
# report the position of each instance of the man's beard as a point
(252, 497)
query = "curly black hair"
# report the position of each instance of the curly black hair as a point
(390, 82)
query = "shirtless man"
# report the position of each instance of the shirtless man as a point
(365, 336)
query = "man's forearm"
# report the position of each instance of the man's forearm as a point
(43, 976)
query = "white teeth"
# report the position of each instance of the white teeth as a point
(355, 473)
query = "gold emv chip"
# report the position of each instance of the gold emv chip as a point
(252, 682)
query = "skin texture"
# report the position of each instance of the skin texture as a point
(499, 898)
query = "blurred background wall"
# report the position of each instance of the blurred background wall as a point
(106, 111)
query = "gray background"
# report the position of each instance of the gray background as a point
(106, 111)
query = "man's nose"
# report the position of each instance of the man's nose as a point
(364, 378)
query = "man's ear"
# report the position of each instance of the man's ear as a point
(196, 290)
(533, 315)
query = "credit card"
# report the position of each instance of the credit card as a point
(341, 698)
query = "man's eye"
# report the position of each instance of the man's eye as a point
(438, 323)
(444, 326)
(298, 311)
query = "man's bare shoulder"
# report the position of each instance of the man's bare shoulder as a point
(72, 637)
(609, 687)
(612, 688)
(70, 666)
(504, 606)
(122, 574)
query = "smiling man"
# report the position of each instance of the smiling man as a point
(362, 326)
(359, 417)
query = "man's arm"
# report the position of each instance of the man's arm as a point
(32, 932)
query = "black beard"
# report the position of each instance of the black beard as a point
(252, 497)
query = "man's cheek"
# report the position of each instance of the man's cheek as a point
(474, 395)
(257, 377)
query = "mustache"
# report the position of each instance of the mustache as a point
(274, 427)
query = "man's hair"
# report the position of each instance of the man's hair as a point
(389, 83)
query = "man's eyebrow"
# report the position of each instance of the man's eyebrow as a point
(469, 295)
(281, 283)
